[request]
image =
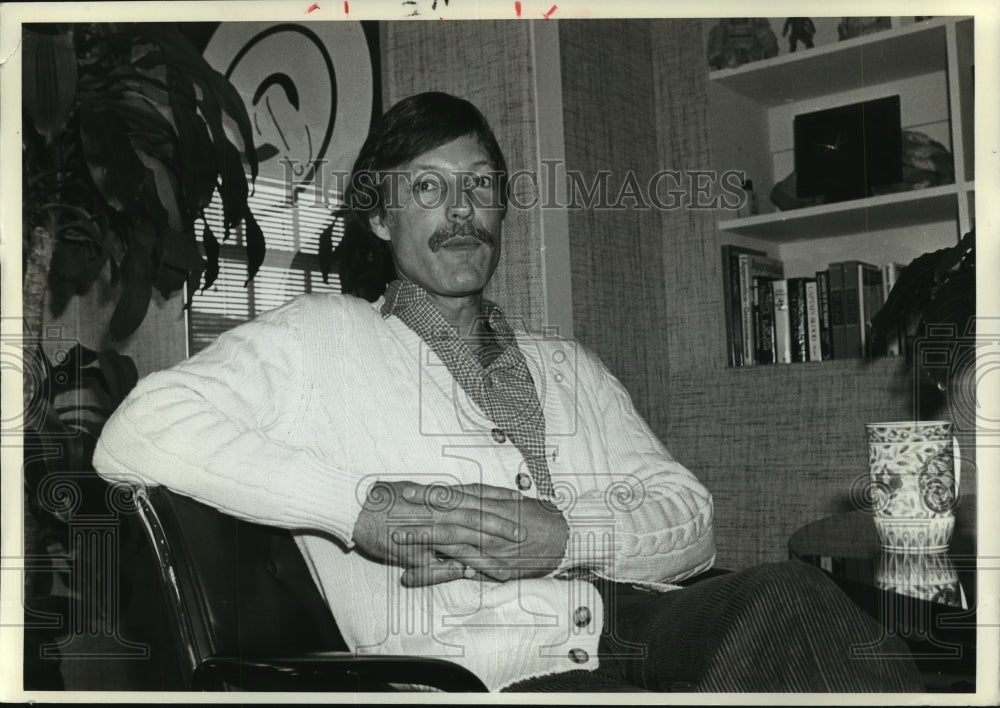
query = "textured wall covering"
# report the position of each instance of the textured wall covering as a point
(489, 63)
(616, 254)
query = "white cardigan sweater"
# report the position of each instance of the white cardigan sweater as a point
(289, 419)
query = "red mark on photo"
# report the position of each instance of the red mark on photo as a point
(552, 9)
(347, 8)
(314, 6)
(517, 8)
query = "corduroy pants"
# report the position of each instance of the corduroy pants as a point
(780, 627)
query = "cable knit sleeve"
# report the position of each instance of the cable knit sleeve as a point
(660, 528)
(224, 427)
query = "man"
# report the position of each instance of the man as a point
(466, 491)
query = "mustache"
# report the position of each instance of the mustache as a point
(444, 234)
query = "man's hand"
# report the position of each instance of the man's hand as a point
(545, 536)
(437, 531)
(535, 554)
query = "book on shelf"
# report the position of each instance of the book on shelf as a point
(774, 319)
(746, 310)
(740, 267)
(823, 295)
(763, 309)
(852, 309)
(861, 300)
(798, 320)
(731, 300)
(754, 266)
(782, 334)
(812, 320)
(872, 343)
(838, 341)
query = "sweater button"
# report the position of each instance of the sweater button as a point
(523, 481)
(498, 436)
(581, 616)
(578, 656)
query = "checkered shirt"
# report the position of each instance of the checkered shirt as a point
(503, 389)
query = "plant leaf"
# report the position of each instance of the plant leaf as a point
(169, 280)
(325, 254)
(932, 290)
(114, 167)
(913, 288)
(217, 92)
(266, 151)
(49, 80)
(162, 182)
(954, 302)
(137, 286)
(234, 191)
(211, 244)
(234, 106)
(256, 249)
(120, 374)
(180, 250)
(195, 156)
(180, 263)
(142, 116)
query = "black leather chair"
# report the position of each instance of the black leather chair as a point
(239, 610)
(245, 614)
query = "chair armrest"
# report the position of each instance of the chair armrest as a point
(332, 671)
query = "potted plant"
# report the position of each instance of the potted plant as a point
(128, 133)
(934, 303)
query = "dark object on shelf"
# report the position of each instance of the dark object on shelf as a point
(850, 27)
(934, 303)
(751, 207)
(740, 40)
(926, 163)
(802, 30)
(784, 195)
(843, 153)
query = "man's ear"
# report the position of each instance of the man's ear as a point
(378, 225)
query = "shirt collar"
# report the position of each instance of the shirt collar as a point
(400, 295)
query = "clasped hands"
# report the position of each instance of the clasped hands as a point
(436, 532)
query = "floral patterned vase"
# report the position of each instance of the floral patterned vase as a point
(914, 477)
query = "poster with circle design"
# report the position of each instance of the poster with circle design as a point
(308, 89)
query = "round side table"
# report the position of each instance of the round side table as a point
(929, 600)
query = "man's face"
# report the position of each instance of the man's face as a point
(444, 225)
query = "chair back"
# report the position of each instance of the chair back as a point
(234, 588)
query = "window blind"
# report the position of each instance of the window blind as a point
(291, 267)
